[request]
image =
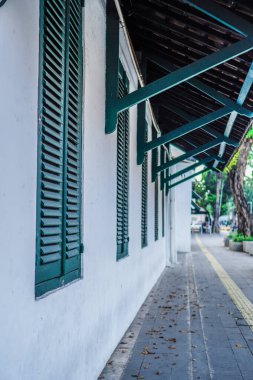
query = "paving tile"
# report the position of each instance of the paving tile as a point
(192, 330)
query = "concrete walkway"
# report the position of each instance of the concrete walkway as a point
(189, 328)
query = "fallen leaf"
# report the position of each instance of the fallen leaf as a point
(171, 340)
(147, 352)
(238, 345)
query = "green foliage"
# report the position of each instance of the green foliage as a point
(206, 188)
(239, 238)
(233, 162)
(248, 238)
(248, 180)
(249, 135)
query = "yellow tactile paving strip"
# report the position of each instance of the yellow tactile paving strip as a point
(243, 304)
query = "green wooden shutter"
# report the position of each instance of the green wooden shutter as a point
(163, 214)
(59, 145)
(155, 153)
(156, 210)
(163, 160)
(122, 172)
(73, 143)
(144, 197)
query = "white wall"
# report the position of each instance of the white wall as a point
(178, 238)
(183, 196)
(70, 334)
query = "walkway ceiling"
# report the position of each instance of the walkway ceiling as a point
(168, 35)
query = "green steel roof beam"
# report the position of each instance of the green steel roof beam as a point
(204, 161)
(221, 98)
(188, 128)
(195, 195)
(185, 116)
(247, 84)
(192, 153)
(163, 63)
(187, 178)
(189, 168)
(183, 74)
(222, 15)
(194, 204)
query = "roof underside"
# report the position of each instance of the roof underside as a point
(178, 33)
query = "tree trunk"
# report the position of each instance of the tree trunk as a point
(217, 203)
(236, 180)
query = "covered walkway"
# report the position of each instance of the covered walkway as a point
(189, 327)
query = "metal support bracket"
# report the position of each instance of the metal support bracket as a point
(194, 204)
(115, 105)
(183, 74)
(187, 178)
(188, 128)
(222, 15)
(194, 82)
(195, 152)
(189, 168)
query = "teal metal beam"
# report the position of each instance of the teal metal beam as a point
(223, 15)
(191, 153)
(183, 74)
(188, 128)
(187, 178)
(214, 133)
(221, 98)
(247, 84)
(112, 66)
(185, 116)
(194, 204)
(189, 168)
(201, 86)
(188, 117)
(200, 212)
(204, 161)
(195, 195)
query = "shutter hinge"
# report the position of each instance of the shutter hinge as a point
(81, 248)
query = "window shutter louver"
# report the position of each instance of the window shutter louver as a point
(155, 154)
(144, 197)
(122, 172)
(163, 214)
(72, 190)
(156, 210)
(59, 129)
(163, 160)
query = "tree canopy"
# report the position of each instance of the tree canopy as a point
(206, 188)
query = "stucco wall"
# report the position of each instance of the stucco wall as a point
(183, 194)
(68, 335)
